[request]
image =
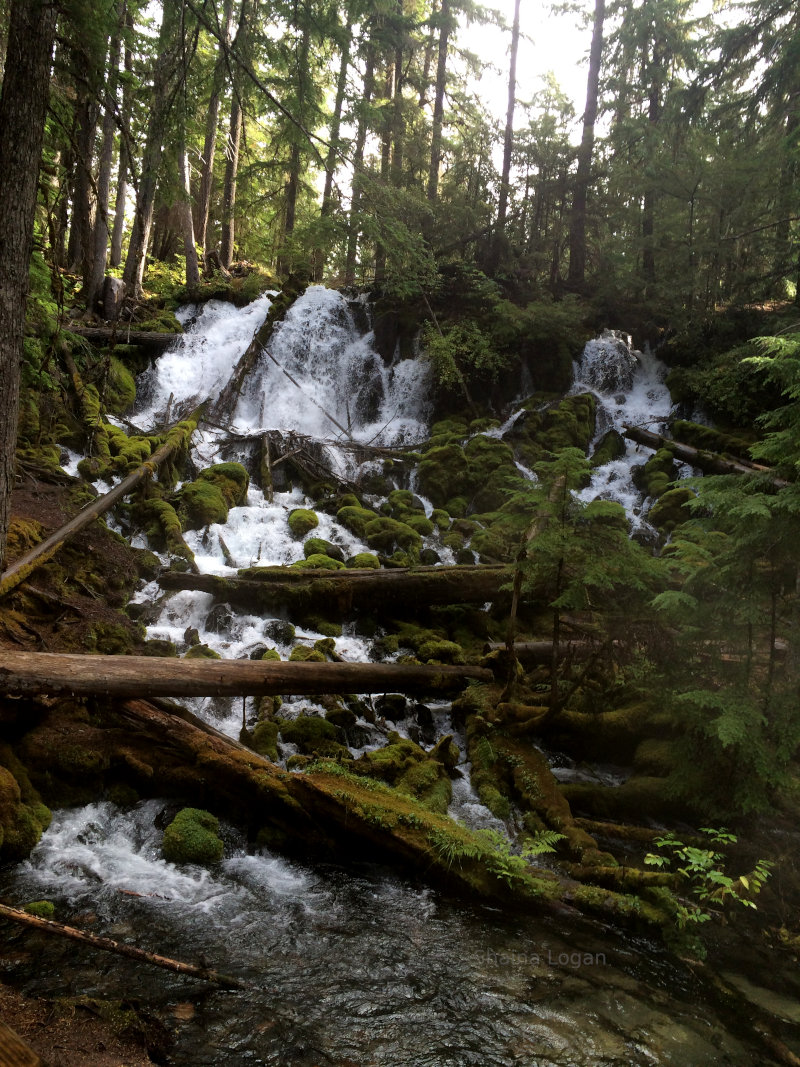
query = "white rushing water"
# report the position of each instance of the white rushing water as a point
(630, 390)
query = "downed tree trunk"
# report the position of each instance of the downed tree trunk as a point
(542, 651)
(48, 926)
(104, 335)
(343, 590)
(14, 1052)
(710, 462)
(147, 676)
(19, 570)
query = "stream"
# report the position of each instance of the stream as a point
(356, 965)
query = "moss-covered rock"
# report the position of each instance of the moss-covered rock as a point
(201, 652)
(42, 909)
(193, 837)
(611, 446)
(311, 734)
(436, 650)
(264, 740)
(304, 654)
(318, 546)
(200, 504)
(363, 561)
(302, 521)
(388, 535)
(231, 479)
(355, 518)
(670, 509)
(443, 473)
(120, 391)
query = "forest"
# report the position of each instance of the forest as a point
(464, 662)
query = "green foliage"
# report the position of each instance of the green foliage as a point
(702, 873)
(461, 352)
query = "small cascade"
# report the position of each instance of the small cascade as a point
(630, 390)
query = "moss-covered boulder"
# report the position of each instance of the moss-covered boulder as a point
(193, 837)
(312, 734)
(264, 740)
(201, 652)
(443, 473)
(355, 518)
(387, 535)
(302, 521)
(611, 446)
(317, 562)
(120, 391)
(318, 546)
(670, 509)
(363, 561)
(231, 479)
(200, 504)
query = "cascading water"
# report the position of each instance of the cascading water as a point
(630, 390)
(351, 966)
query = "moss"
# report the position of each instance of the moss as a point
(304, 654)
(323, 626)
(317, 562)
(112, 639)
(43, 909)
(231, 479)
(344, 718)
(427, 781)
(272, 654)
(611, 446)
(355, 518)
(669, 510)
(200, 504)
(710, 439)
(163, 527)
(655, 756)
(201, 652)
(192, 837)
(23, 535)
(319, 546)
(124, 796)
(364, 561)
(312, 734)
(441, 519)
(439, 651)
(443, 473)
(302, 521)
(494, 800)
(265, 740)
(422, 525)
(388, 535)
(120, 391)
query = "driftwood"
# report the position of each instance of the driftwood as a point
(104, 335)
(48, 926)
(710, 462)
(341, 591)
(146, 676)
(19, 570)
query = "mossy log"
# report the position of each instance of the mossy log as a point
(14, 1052)
(105, 335)
(534, 652)
(146, 676)
(107, 944)
(177, 438)
(341, 591)
(709, 462)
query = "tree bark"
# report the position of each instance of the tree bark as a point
(187, 222)
(21, 568)
(149, 677)
(508, 138)
(577, 222)
(104, 335)
(228, 236)
(358, 167)
(334, 140)
(295, 158)
(123, 168)
(106, 944)
(23, 106)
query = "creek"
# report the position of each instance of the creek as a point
(343, 964)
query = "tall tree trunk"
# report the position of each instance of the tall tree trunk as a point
(100, 238)
(157, 124)
(81, 245)
(295, 158)
(649, 198)
(23, 106)
(386, 162)
(187, 222)
(438, 103)
(358, 167)
(212, 121)
(123, 168)
(508, 138)
(228, 236)
(577, 221)
(334, 141)
(430, 42)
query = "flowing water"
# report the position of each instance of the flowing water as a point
(351, 966)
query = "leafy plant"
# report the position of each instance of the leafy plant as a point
(703, 873)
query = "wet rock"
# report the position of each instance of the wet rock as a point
(280, 631)
(219, 619)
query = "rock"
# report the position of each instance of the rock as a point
(193, 837)
(113, 297)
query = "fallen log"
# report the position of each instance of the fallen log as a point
(146, 676)
(14, 1052)
(542, 651)
(107, 944)
(19, 570)
(709, 462)
(104, 335)
(341, 591)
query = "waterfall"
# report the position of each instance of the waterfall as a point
(630, 389)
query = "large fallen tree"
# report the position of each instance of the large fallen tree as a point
(709, 462)
(146, 676)
(341, 591)
(105, 335)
